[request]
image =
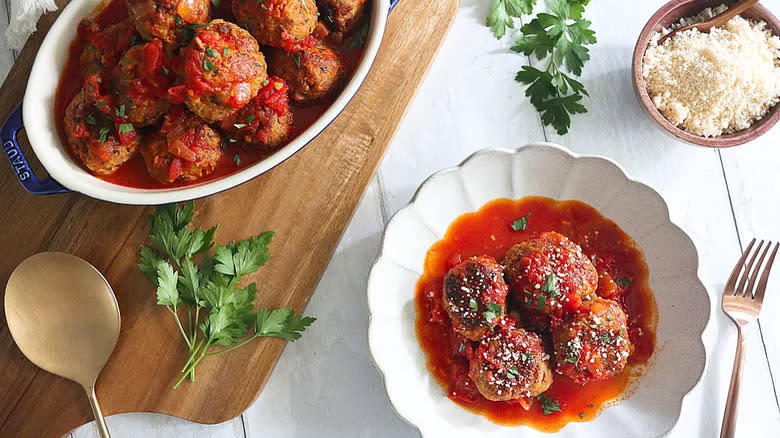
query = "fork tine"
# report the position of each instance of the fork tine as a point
(759, 295)
(748, 292)
(729, 289)
(740, 290)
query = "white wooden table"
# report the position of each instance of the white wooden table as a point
(325, 385)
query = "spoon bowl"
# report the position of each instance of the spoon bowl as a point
(64, 317)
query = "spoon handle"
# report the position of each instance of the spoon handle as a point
(97, 413)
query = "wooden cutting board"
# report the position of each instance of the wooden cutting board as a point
(308, 201)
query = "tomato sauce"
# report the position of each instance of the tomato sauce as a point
(133, 173)
(488, 231)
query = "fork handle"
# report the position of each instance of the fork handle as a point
(729, 424)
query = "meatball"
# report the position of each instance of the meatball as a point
(594, 344)
(342, 15)
(474, 296)
(103, 48)
(511, 364)
(141, 83)
(100, 141)
(223, 71)
(276, 23)
(169, 20)
(313, 72)
(266, 120)
(550, 274)
(185, 148)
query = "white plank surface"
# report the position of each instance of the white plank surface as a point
(325, 385)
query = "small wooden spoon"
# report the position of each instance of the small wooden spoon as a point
(64, 317)
(718, 20)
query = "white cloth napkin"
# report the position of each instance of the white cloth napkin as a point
(24, 17)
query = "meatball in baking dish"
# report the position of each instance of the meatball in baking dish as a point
(141, 83)
(313, 71)
(342, 15)
(550, 274)
(276, 23)
(510, 364)
(101, 141)
(474, 296)
(168, 20)
(223, 71)
(593, 344)
(104, 47)
(266, 120)
(185, 148)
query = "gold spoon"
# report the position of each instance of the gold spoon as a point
(718, 20)
(64, 317)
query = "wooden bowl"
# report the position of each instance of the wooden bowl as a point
(671, 13)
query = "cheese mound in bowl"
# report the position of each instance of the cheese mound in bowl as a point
(716, 83)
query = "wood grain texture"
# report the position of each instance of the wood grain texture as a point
(308, 201)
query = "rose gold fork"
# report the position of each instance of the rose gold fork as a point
(742, 303)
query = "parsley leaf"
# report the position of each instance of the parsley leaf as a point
(513, 372)
(605, 338)
(167, 293)
(281, 323)
(520, 224)
(548, 405)
(296, 57)
(541, 301)
(493, 310)
(473, 305)
(502, 12)
(625, 282)
(551, 287)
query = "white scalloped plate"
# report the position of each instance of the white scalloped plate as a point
(544, 170)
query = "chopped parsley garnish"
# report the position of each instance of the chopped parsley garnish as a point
(527, 356)
(473, 305)
(100, 104)
(131, 102)
(625, 282)
(582, 415)
(265, 82)
(297, 58)
(541, 300)
(99, 80)
(551, 287)
(225, 51)
(262, 5)
(178, 21)
(605, 338)
(232, 140)
(513, 372)
(492, 311)
(571, 358)
(91, 120)
(548, 405)
(237, 159)
(120, 111)
(165, 70)
(124, 128)
(461, 348)
(520, 224)
(250, 117)
(239, 125)
(103, 134)
(622, 333)
(208, 65)
(134, 40)
(211, 52)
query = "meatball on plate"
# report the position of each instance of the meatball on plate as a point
(157, 55)
(590, 366)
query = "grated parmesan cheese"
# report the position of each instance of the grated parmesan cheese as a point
(714, 83)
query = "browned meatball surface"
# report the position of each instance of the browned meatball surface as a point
(142, 84)
(266, 120)
(104, 47)
(276, 23)
(342, 15)
(169, 20)
(475, 296)
(550, 274)
(185, 148)
(510, 364)
(594, 344)
(313, 72)
(223, 69)
(94, 137)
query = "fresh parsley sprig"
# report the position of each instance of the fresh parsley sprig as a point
(561, 37)
(219, 311)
